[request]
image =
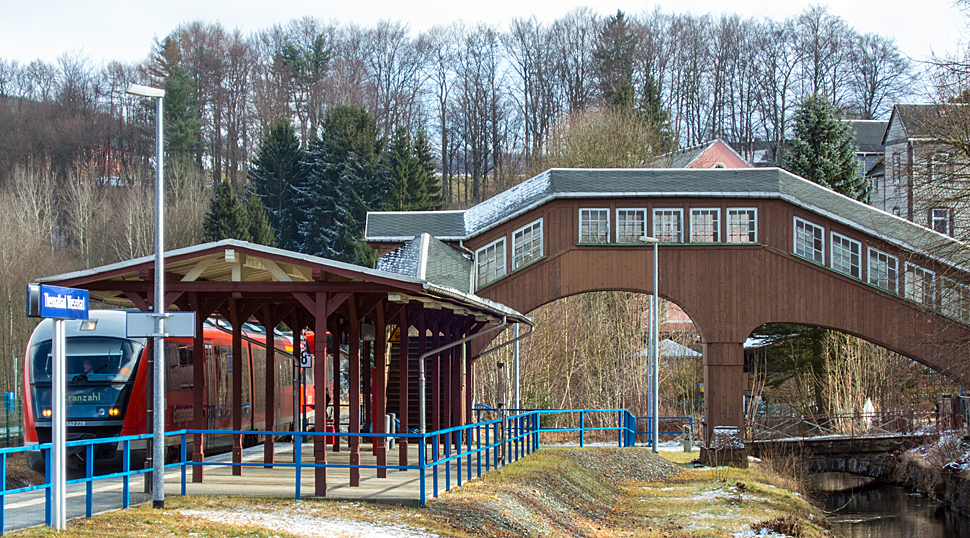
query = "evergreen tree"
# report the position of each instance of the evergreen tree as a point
(432, 183)
(823, 150)
(260, 231)
(615, 50)
(226, 217)
(278, 174)
(656, 116)
(183, 125)
(346, 179)
(414, 184)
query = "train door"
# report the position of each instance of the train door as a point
(247, 388)
(211, 391)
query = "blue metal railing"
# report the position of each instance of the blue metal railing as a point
(469, 450)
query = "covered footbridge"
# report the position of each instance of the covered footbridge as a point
(739, 248)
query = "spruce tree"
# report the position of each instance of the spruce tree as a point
(346, 179)
(260, 231)
(226, 217)
(432, 200)
(279, 175)
(823, 151)
(183, 125)
(656, 116)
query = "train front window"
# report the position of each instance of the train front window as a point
(89, 359)
(99, 371)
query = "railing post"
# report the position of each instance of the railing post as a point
(89, 475)
(434, 464)
(582, 429)
(448, 463)
(424, 444)
(125, 468)
(298, 458)
(3, 486)
(48, 505)
(184, 441)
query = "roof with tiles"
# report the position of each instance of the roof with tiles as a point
(868, 134)
(766, 183)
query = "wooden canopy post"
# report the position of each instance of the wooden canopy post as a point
(237, 366)
(435, 379)
(270, 319)
(402, 357)
(353, 392)
(336, 333)
(320, 390)
(380, 388)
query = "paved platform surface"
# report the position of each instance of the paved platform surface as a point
(400, 486)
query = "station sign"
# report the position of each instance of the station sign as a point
(176, 324)
(56, 302)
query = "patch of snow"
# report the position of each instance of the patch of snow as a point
(758, 532)
(303, 523)
(403, 260)
(507, 203)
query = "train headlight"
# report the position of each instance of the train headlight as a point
(114, 411)
(46, 412)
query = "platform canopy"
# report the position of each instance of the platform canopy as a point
(250, 272)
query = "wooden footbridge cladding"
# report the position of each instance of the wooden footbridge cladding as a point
(740, 248)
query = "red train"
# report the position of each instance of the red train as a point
(107, 385)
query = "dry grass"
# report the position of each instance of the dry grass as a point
(596, 492)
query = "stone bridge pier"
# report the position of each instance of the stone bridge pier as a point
(871, 456)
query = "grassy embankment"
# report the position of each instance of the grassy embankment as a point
(597, 492)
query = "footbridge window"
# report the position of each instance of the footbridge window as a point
(742, 225)
(594, 226)
(846, 255)
(955, 300)
(527, 244)
(631, 225)
(883, 270)
(668, 225)
(490, 262)
(705, 225)
(920, 285)
(809, 241)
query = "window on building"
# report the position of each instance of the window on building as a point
(668, 225)
(920, 285)
(940, 220)
(742, 225)
(940, 167)
(846, 255)
(897, 172)
(490, 262)
(631, 225)
(883, 270)
(955, 300)
(705, 225)
(809, 241)
(526, 244)
(594, 225)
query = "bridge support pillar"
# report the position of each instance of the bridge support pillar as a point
(723, 389)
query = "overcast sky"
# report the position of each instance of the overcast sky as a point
(123, 30)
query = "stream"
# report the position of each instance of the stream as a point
(858, 508)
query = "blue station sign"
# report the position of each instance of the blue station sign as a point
(45, 301)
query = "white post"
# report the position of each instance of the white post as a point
(158, 357)
(59, 428)
(515, 368)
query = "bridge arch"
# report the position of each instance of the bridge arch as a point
(739, 248)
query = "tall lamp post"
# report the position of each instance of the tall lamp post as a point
(158, 413)
(654, 367)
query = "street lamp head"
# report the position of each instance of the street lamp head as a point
(145, 91)
(648, 239)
